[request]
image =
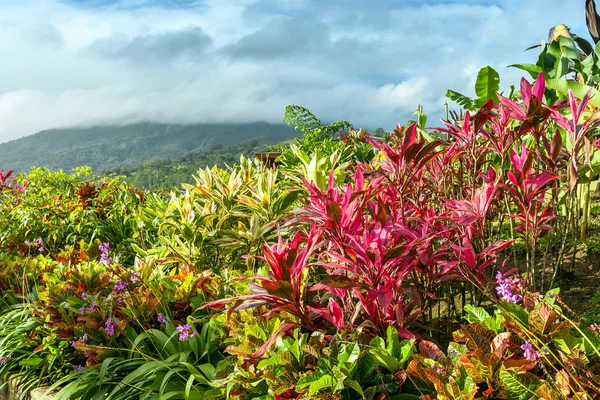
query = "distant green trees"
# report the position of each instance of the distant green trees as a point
(171, 173)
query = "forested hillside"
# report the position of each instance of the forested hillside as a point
(110, 147)
(172, 172)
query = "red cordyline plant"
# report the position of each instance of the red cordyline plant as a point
(405, 163)
(393, 255)
(285, 288)
(580, 135)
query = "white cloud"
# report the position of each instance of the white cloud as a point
(237, 61)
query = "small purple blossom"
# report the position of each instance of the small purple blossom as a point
(184, 331)
(38, 243)
(4, 360)
(82, 309)
(529, 353)
(161, 318)
(92, 307)
(135, 277)
(84, 296)
(508, 288)
(104, 257)
(109, 326)
(79, 368)
(120, 286)
(81, 340)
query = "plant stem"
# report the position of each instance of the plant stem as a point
(586, 197)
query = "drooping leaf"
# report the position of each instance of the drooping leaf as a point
(460, 99)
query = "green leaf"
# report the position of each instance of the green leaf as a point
(385, 360)
(579, 90)
(519, 386)
(476, 314)
(460, 99)
(350, 353)
(33, 361)
(514, 312)
(566, 342)
(533, 69)
(487, 85)
(354, 385)
(315, 382)
(393, 342)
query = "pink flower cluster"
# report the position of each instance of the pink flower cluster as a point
(185, 332)
(509, 288)
(104, 258)
(529, 352)
(37, 243)
(109, 326)
(81, 340)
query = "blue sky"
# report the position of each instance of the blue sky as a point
(86, 62)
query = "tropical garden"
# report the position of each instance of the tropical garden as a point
(426, 264)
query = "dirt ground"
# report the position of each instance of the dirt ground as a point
(578, 289)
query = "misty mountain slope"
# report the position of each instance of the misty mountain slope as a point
(110, 147)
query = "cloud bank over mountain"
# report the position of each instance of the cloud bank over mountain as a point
(86, 62)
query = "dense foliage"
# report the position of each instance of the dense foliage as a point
(341, 273)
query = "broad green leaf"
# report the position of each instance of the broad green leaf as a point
(519, 386)
(566, 342)
(385, 360)
(350, 353)
(487, 85)
(476, 314)
(533, 69)
(579, 90)
(514, 312)
(460, 99)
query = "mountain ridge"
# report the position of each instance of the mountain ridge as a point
(106, 147)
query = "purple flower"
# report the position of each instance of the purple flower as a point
(79, 368)
(39, 243)
(104, 258)
(161, 318)
(508, 288)
(120, 286)
(81, 340)
(4, 360)
(82, 309)
(134, 277)
(92, 307)
(529, 352)
(109, 326)
(84, 296)
(184, 331)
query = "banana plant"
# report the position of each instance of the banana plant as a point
(487, 86)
